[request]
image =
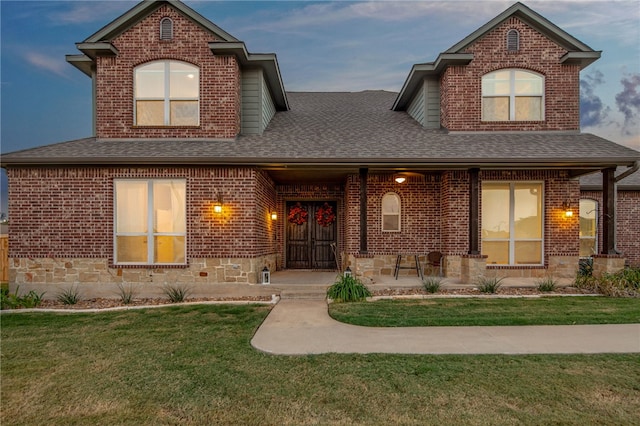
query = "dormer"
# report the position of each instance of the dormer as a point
(518, 72)
(161, 70)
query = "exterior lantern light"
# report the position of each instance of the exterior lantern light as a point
(566, 206)
(347, 272)
(274, 215)
(266, 276)
(400, 179)
(217, 206)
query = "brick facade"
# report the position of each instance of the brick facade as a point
(461, 92)
(627, 223)
(219, 80)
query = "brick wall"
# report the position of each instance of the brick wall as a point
(628, 223)
(219, 80)
(68, 212)
(454, 209)
(461, 92)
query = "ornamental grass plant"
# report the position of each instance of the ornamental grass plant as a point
(348, 289)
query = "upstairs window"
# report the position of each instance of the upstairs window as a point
(166, 29)
(512, 95)
(513, 41)
(391, 212)
(167, 93)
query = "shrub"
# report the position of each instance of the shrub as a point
(625, 283)
(585, 267)
(348, 289)
(432, 284)
(489, 285)
(15, 301)
(126, 293)
(547, 284)
(176, 293)
(70, 296)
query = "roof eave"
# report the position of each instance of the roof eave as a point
(420, 71)
(268, 62)
(82, 62)
(582, 59)
(93, 50)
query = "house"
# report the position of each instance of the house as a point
(204, 170)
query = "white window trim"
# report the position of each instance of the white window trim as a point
(150, 234)
(399, 214)
(167, 96)
(512, 231)
(512, 95)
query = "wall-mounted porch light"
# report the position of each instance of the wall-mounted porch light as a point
(399, 178)
(274, 215)
(217, 205)
(566, 207)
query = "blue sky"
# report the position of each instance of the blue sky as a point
(321, 46)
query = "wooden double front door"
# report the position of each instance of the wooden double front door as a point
(311, 234)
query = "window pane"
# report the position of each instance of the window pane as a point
(527, 83)
(496, 83)
(528, 252)
(169, 206)
(131, 207)
(587, 247)
(390, 204)
(390, 222)
(184, 81)
(495, 109)
(169, 249)
(528, 210)
(497, 252)
(184, 113)
(149, 81)
(150, 113)
(495, 211)
(588, 214)
(131, 249)
(528, 108)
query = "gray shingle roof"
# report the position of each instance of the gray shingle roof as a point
(344, 129)
(594, 181)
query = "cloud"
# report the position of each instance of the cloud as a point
(48, 63)
(628, 102)
(592, 111)
(80, 12)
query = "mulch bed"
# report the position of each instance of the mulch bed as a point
(502, 291)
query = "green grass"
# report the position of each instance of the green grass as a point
(194, 365)
(485, 311)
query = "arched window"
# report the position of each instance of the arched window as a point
(391, 212)
(512, 95)
(166, 29)
(167, 93)
(588, 227)
(513, 40)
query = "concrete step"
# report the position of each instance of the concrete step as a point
(316, 293)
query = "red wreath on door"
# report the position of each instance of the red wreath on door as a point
(298, 215)
(325, 215)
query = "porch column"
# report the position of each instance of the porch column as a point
(364, 173)
(608, 212)
(474, 211)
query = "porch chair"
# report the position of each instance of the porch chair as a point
(434, 259)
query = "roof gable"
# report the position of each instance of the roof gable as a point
(144, 9)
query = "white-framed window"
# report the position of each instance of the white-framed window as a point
(513, 40)
(166, 29)
(512, 95)
(391, 212)
(512, 223)
(150, 221)
(167, 93)
(588, 227)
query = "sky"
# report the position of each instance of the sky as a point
(320, 46)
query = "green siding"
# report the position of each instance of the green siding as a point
(425, 105)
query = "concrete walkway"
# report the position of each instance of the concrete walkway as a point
(297, 327)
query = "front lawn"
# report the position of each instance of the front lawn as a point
(489, 311)
(194, 365)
